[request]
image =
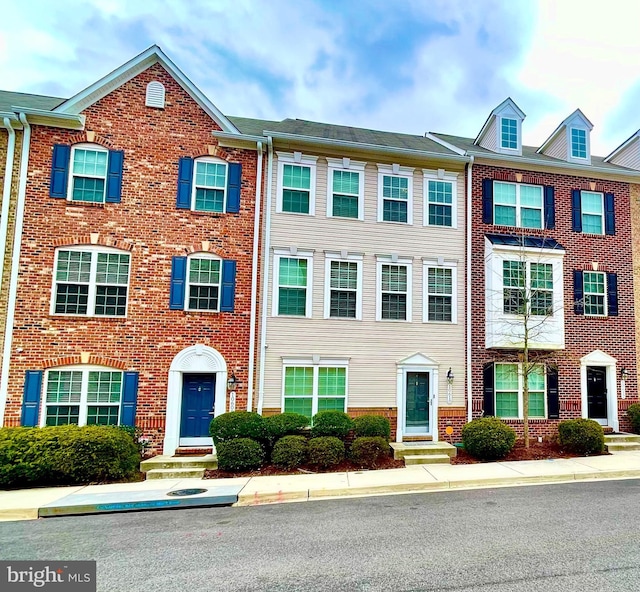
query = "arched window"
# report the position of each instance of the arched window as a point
(155, 95)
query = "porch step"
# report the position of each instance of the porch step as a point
(190, 473)
(185, 451)
(621, 442)
(207, 461)
(427, 459)
(417, 438)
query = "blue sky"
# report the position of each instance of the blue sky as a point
(408, 65)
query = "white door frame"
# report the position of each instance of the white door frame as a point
(599, 358)
(197, 359)
(417, 363)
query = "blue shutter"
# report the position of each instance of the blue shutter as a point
(487, 201)
(553, 399)
(129, 399)
(234, 183)
(609, 214)
(31, 398)
(178, 278)
(549, 207)
(612, 294)
(578, 293)
(185, 179)
(488, 389)
(576, 210)
(59, 171)
(114, 176)
(228, 285)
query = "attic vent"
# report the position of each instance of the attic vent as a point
(155, 95)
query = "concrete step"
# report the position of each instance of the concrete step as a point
(622, 446)
(175, 473)
(405, 449)
(427, 459)
(615, 438)
(208, 461)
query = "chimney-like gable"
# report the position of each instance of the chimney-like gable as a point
(570, 141)
(502, 132)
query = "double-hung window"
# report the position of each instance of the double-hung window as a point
(509, 133)
(88, 173)
(578, 143)
(394, 290)
(509, 388)
(91, 282)
(343, 286)
(296, 183)
(592, 212)
(518, 205)
(82, 396)
(293, 284)
(440, 196)
(204, 279)
(345, 188)
(395, 194)
(594, 293)
(209, 186)
(309, 388)
(439, 292)
(527, 288)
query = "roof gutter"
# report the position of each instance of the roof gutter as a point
(51, 118)
(231, 136)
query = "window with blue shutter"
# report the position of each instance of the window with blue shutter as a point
(609, 214)
(553, 399)
(549, 208)
(178, 280)
(129, 399)
(228, 285)
(487, 201)
(114, 176)
(185, 180)
(576, 210)
(234, 185)
(612, 294)
(488, 389)
(31, 398)
(60, 171)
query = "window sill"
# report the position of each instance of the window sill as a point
(308, 214)
(85, 204)
(210, 214)
(342, 319)
(395, 222)
(348, 218)
(87, 317)
(428, 322)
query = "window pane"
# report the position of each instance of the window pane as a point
(203, 297)
(344, 285)
(112, 269)
(64, 386)
(509, 133)
(343, 304)
(292, 301)
(71, 299)
(507, 404)
(332, 382)
(104, 387)
(344, 275)
(335, 404)
(296, 177)
(296, 202)
(591, 224)
(592, 203)
(394, 278)
(394, 306)
(211, 174)
(90, 162)
(440, 192)
(439, 290)
(88, 189)
(504, 193)
(293, 272)
(394, 211)
(506, 377)
(531, 196)
(579, 143)
(209, 200)
(594, 290)
(346, 182)
(440, 215)
(505, 216)
(536, 378)
(536, 404)
(298, 405)
(298, 381)
(530, 218)
(345, 206)
(395, 187)
(204, 271)
(111, 301)
(62, 415)
(73, 266)
(103, 415)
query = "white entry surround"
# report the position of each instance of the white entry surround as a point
(197, 359)
(417, 363)
(599, 358)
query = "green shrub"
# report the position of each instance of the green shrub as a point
(581, 436)
(290, 452)
(488, 438)
(240, 454)
(284, 424)
(236, 424)
(331, 423)
(367, 451)
(634, 415)
(66, 455)
(372, 426)
(326, 451)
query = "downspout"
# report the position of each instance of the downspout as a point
(468, 297)
(254, 280)
(6, 193)
(266, 260)
(15, 262)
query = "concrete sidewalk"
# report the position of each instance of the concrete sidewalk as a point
(30, 504)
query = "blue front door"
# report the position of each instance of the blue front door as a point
(197, 404)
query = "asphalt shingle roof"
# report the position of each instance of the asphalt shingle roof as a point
(9, 98)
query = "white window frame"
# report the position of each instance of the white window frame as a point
(442, 176)
(500, 138)
(94, 148)
(91, 297)
(392, 260)
(195, 187)
(602, 214)
(606, 292)
(296, 159)
(518, 206)
(83, 403)
(292, 254)
(440, 263)
(527, 285)
(570, 155)
(395, 170)
(356, 258)
(201, 255)
(349, 166)
(315, 362)
(586, 143)
(520, 391)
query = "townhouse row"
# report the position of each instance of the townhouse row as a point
(162, 263)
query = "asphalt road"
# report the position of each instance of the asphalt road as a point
(582, 537)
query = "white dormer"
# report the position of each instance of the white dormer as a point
(571, 140)
(502, 132)
(627, 154)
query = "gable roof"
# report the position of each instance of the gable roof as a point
(9, 98)
(130, 69)
(577, 113)
(630, 140)
(507, 103)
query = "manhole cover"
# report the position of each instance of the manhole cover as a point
(185, 492)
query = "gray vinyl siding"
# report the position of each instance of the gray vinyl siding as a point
(558, 148)
(629, 157)
(373, 347)
(490, 139)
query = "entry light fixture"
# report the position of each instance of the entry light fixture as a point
(624, 373)
(232, 382)
(450, 376)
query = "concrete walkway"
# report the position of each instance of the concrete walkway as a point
(30, 504)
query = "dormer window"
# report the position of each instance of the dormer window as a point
(509, 134)
(578, 143)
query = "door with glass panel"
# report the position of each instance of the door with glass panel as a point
(417, 403)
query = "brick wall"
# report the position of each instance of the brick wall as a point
(146, 223)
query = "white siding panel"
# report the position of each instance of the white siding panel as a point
(558, 148)
(490, 139)
(629, 157)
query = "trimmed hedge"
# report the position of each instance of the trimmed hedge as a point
(582, 436)
(236, 424)
(336, 424)
(326, 451)
(372, 426)
(367, 451)
(634, 415)
(240, 454)
(283, 424)
(290, 452)
(66, 455)
(488, 438)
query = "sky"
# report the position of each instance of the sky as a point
(405, 65)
